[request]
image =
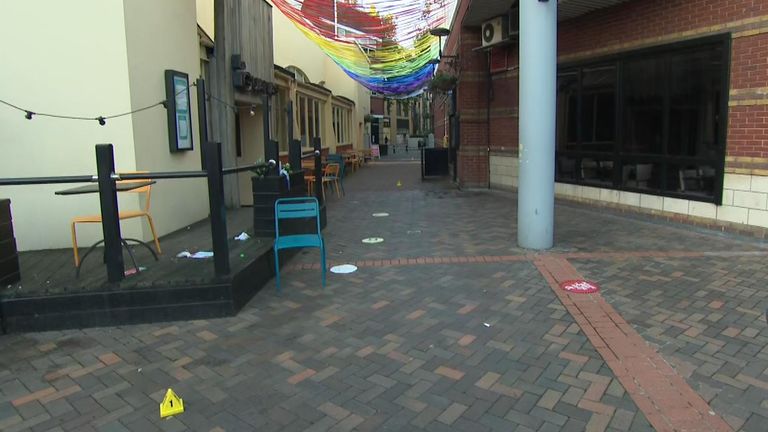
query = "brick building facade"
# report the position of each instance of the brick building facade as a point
(666, 110)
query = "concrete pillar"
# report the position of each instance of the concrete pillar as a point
(538, 99)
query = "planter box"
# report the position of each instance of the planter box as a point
(9, 259)
(266, 191)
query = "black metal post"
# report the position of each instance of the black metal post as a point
(317, 144)
(289, 113)
(217, 208)
(202, 118)
(294, 154)
(421, 151)
(294, 146)
(110, 222)
(270, 152)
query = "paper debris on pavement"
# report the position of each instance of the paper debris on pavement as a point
(196, 255)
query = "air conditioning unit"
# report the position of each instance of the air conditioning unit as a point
(496, 30)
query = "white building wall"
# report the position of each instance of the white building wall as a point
(63, 57)
(163, 35)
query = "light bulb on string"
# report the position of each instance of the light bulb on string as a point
(252, 112)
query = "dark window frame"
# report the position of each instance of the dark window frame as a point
(618, 157)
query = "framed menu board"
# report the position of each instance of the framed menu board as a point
(179, 108)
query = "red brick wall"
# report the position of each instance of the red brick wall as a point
(749, 62)
(748, 125)
(641, 19)
(748, 131)
(473, 169)
(504, 133)
(439, 110)
(472, 104)
(638, 23)
(441, 102)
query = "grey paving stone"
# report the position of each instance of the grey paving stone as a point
(240, 379)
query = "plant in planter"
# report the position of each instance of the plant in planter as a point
(261, 171)
(443, 82)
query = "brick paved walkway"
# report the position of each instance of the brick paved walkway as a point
(447, 325)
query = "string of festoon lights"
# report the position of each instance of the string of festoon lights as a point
(29, 114)
(383, 44)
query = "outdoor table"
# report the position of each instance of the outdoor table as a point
(349, 159)
(94, 188)
(120, 187)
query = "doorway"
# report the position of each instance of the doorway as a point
(249, 145)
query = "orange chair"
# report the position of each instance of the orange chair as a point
(331, 177)
(122, 215)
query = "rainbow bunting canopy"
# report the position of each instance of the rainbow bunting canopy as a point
(383, 44)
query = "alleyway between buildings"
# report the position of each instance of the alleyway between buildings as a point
(446, 325)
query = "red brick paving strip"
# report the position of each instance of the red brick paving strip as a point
(60, 394)
(665, 398)
(449, 373)
(33, 396)
(528, 257)
(301, 376)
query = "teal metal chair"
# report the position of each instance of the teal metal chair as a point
(337, 158)
(297, 208)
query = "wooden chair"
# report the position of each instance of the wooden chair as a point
(338, 159)
(297, 208)
(355, 161)
(131, 214)
(367, 155)
(348, 161)
(331, 175)
(308, 166)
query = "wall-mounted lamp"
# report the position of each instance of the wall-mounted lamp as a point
(440, 32)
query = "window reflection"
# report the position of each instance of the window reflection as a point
(598, 108)
(661, 133)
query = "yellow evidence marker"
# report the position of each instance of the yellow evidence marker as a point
(399, 184)
(172, 404)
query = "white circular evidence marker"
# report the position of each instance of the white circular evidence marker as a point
(372, 240)
(380, 214)
(344, 269)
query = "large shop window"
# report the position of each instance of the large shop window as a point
(341, 124)
(309, 117)
(650, 121)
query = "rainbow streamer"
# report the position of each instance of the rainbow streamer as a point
(383, 44)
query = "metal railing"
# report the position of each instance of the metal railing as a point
(106, 178)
